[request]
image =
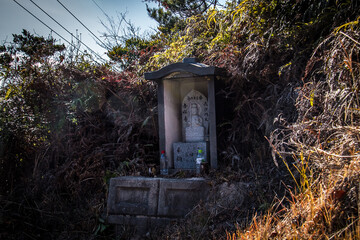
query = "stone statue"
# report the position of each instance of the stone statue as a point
(195, 121)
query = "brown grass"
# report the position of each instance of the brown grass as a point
(323, 148)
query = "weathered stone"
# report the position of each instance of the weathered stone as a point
(154, 196)
(186, 106)
(194, 134)
(185, 154)
(142, 224)
(133, 196)
(229, 194)
(195, 116)
(177, 197)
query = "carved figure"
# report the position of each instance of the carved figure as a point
(195, 123)
(196, 120)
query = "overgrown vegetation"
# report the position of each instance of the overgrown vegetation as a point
(67, 126)
(288, 136)
(289, 63)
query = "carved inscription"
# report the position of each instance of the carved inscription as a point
(195, 115)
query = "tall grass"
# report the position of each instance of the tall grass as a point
(323, 148)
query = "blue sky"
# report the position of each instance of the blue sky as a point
(13, 18)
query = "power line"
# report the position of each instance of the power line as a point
(104, 61)
(46, 25)
(81, 23)
(99, 8)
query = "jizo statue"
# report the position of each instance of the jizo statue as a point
(195, 117)
(196, 120)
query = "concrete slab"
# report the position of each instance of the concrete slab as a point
(149, 203)
(133, 196)
(177, 197)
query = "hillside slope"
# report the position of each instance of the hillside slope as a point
(288, 134)
(293, 134)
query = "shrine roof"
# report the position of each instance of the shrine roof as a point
(189, 65)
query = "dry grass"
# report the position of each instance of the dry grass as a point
(323, 148)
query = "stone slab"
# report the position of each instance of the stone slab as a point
(177, 197)
(133, 196)
(149, 203)
(141, 224)
(195, 116)
(185, 154)
(194, 134)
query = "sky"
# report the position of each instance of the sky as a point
(13, 18)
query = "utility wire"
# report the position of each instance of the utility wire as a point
(99, 8)
(103, 60)
(46, 25)
(81, 23)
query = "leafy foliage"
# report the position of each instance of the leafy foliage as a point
(65, 127)
(35, 46)
(129, 53)
(171, 14)
(25, 102)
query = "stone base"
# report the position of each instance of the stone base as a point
(140, 224)
(133, 196)
(148, 203)
(194, 134)
(173, 171)
(185, 154)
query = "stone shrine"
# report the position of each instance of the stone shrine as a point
(186, 108)
(187, 122)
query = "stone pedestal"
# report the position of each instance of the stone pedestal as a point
(147, 203)
(194, 134)
(133, 196)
